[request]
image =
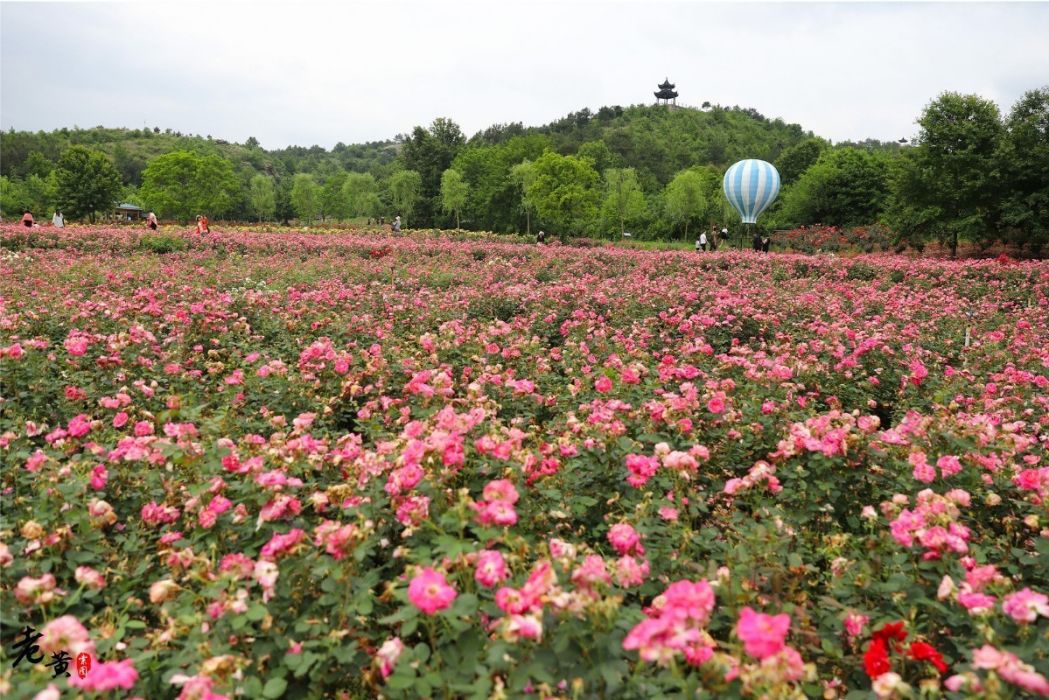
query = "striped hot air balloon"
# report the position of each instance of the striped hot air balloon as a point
(751, 186)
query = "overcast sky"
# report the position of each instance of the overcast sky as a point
(304, 74)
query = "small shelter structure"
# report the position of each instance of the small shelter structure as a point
(128, 212)
(666, 93)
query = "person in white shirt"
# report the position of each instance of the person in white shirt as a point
(57, 220)
(151, 221)
(701, 244)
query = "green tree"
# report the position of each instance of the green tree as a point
(129, 166)
(845, 187)
(37, 164)
(430, 152)
(684, 198)
(181, 184)
(86, 182)
(565, 192)
(333, 205)
(305, 198)
(493, 200)
(35, 193)
(1024, 162)
(624, 200)
(948, 186)
(405, 187)
(361, 194)
(799, 158)
(283, 211)
(453, 193)
(42, 193)
(262, 197)
(522, 176)
(599, 155)
(9, 196)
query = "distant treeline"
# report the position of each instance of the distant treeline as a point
(651, 170)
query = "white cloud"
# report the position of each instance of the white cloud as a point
(308, 74)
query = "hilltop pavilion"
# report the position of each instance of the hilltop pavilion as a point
(666, 93)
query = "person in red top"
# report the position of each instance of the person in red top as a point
(202, 224)
(27, 219)
(207, 228)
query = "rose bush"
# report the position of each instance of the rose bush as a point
(827, 239)
(279, 465)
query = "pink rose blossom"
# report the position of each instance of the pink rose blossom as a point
(430, 592)
(490, 568)
(949, 465)
(1011, 669)
(854, 624)
(625, 539)
(977, 603)
(90, 578)
(510, 600)
(388, 654)
(629, 572)
(762, 635)
(106, 676)
(519, 627)
(66, 634)
(500, 490)
(1025, 605)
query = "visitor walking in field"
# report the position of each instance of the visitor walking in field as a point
(27, 219)
(202, 225)
(765, 243)
(540, 237)
(151, 221)
(58, 221)
(397, 224)
(701, 244)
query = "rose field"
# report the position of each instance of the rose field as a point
(341, 465)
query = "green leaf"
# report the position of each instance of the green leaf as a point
(252, 687)
(400, 681)
(274, 688)
(255, 612)
(308, 659)
(613, 678)
(345, 653)
(465, 604)
(830, 648)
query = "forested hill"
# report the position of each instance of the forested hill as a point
(658, 142)
(655, 140)
(131, 149)
(652, 144)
